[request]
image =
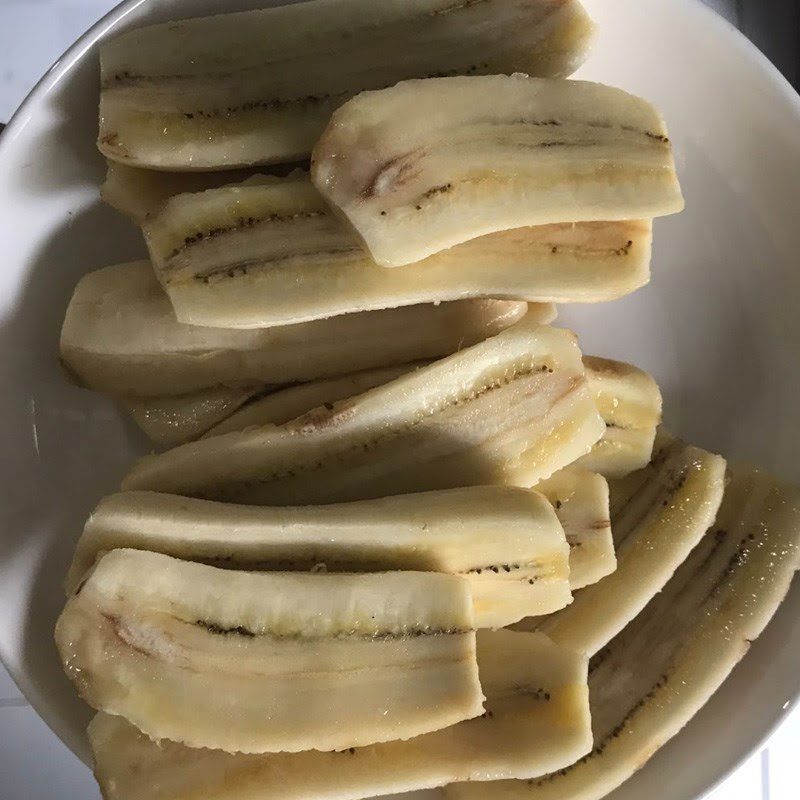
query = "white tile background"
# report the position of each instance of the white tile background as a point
(34, 765)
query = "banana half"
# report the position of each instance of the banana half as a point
(655, 675)
(258, 87)
(120, 336)
(510, 410)
(507, 542)
(667, 508)
(429, 164)
(270, 662)
(270, 251)
(536, 721)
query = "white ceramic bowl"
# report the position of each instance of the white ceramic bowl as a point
(718, 326)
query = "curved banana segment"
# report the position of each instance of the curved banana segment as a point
(661, 522)
(428, 164)
(120, 335)
(259, 87)
(665, 665)
(287, 404)
(270, 662)
(629, 400)
(510, 410)
(536, 721)
(507, 542)
(580, 500)
(270, 251)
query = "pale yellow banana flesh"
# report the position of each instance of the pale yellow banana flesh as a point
(536, 721)
(511, 410)
(507, 542)
(429, 164)
(665, 665)
(629, 401)
(269, 252)
(259, 87)
(580, 500)
(674, 503)
(120, 336)
(270, 662)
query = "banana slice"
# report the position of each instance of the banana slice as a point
(428, 164)
(259, 87)
(536, 721)
(629, 401)
(507, 542)
(269, 251)
(654, 530)
(580, 500)
(120, 336)
(270, 662)
(510, 410)
(285, 405)
(665, 665)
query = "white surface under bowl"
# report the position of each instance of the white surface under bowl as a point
(718, 326)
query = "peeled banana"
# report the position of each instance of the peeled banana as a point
(120, 336)
(270, 662)
(629, 401)
(510, 410)
(663, 667)
(674, 503)
(258, 87)
(580, 500)
(269, 251)
(536, 721)
(282, 406)
(428, 164)
(507, 542)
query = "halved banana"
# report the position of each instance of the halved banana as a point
(665, 665)
(510, 410)
(428, 164)
(629, 401)
(580, 500)
(536, 721)
(674, 503)
(507, 542)
(258, 87)
(120, 335)
(270, 662)
(269, 251)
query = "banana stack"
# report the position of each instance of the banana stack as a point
(401, 534)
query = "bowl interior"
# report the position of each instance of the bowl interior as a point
(716, 327)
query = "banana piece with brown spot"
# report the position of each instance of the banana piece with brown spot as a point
(429, 164)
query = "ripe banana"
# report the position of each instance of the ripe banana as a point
(536, 721)
(674, 503)
(507, 542)
(510, 410)
(258, 87)
(428, 164)
(629, 401)
(120, 336)
(270, 662)
(580, 500)
(269, 251)
(665, 665)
